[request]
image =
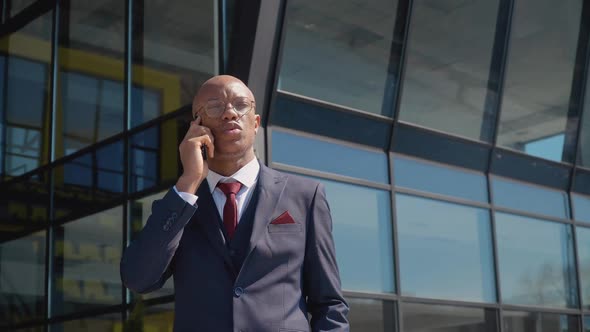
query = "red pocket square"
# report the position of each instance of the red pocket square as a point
(284, 218)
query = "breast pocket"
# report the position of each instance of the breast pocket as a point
(285, 228)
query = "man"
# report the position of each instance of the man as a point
(252, 250)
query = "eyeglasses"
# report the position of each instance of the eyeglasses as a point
(215, 108)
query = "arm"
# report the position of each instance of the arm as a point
(146, 263)
(325, 302)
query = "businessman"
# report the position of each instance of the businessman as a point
(249, 248)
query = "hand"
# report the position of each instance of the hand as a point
(195, 169)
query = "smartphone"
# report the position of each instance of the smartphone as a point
(204, 152)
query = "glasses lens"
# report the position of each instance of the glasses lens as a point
(215, 108)
(241, 105)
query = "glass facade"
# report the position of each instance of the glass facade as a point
(451, 137)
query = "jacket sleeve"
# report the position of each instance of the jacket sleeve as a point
(146, 263)
(325, 301)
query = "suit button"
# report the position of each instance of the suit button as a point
(238, 291)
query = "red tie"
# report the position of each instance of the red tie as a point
(230, 209)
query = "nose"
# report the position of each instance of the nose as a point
(229, 113)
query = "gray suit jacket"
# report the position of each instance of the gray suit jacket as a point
(289, 271)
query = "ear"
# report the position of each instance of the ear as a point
(256, 123)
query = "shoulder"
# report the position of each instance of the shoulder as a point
(296, 183)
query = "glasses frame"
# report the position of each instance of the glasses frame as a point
(240, 114)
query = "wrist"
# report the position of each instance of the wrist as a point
(188, 184)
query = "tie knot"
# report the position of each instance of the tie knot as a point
(229, 188)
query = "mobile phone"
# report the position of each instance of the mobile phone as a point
(204, 152)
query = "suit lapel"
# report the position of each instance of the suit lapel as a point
(207, 218)
(271, 185)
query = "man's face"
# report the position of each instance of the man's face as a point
(233, 132)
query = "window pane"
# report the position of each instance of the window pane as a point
(87, 182)
(583, 237)
(446, 257)
(362, 235)
(25, 109)
(425, 176)
(22, 279)
(298, 150)
(536, 262)
(543, 44)
(581, 207)
(87, 255)
(174, 51)
(16, 6)
(91, 60)
(448, 61)
(104, 323)
(520, 196)
(439, 318)
(371, 315)
(587, 324)
(140, 211)
(339, 51)
(24, 205)
(515, 321)
(154, 154)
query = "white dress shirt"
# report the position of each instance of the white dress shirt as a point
(247, 176)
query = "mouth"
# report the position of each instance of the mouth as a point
(231, 128)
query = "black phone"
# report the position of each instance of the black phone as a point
(204, 152)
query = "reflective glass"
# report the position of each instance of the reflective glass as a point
(14, 7)
(91, 61)
(22, 279)
(448, 54)
(543, 44)
(535, 199)
(536, 262)
(174, 51)
(24, 205)
(583, 237)
(442, 318)
(587, 324)
(159, 318)
(302, 151)
(428, 177)
(85, 183)
(371, 315)
(516, 321)
(25, 76)
(154, 154)
(140, 210)
(110, 322)
(584, 139)
(152, 318)
(362, 235)
(87, 255)
(581, 207)
(339, 52)
(445, 250)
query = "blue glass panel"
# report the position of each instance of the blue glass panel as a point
(536, 262)
(587, 324)
(296, 150)
(520, 196)
(109, 160)
(581, 207)
(583, 237)
(519, 321)
(414, 174)
(362, 235)
(445, 250)
(418, 317)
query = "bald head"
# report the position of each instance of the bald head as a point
(221, 87)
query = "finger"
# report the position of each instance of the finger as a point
(208, 142)
(197, 120)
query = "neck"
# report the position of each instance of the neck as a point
(229, 165)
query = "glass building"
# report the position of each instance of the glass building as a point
(453, 138)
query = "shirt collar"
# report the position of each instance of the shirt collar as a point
(246, 175)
